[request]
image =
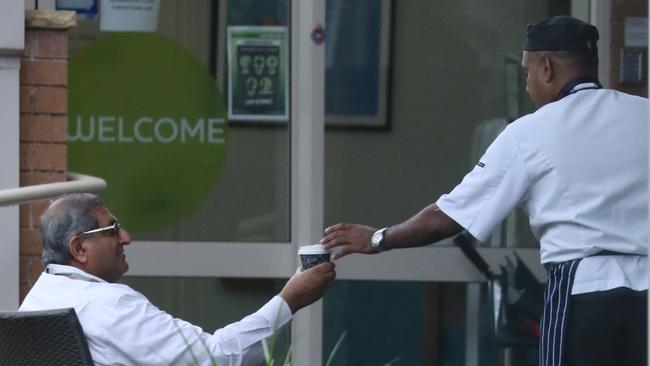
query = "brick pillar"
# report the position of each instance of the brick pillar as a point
(43, 124)
(619, 11)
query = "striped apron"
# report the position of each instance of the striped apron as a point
(555, 315)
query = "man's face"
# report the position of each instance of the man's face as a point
(532, 66)
(105, 250)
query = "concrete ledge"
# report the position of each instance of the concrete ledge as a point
(50, 19)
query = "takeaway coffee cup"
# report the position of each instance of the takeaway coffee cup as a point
(311, 255)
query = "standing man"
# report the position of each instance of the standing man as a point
(578, 166)
(83, 250)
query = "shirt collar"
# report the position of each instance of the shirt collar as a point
(578, 84)
(72, 272)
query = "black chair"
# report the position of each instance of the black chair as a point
(48, 338)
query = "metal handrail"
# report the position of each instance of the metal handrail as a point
(76, 183)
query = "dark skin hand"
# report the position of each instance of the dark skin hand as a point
(427, 226)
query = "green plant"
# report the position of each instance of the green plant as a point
(195, 359)
(336, 348)
(269, 357)
(269, 350)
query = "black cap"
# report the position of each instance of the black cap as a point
(561, 33)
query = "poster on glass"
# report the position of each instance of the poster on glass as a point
(258, 84)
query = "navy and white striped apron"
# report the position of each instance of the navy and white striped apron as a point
(555, 315)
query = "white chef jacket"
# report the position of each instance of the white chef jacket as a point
(578, 167)
(123, 328)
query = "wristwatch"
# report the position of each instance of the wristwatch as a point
(377, 240)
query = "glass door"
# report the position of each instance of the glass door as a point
(205, 118)
(417, 90)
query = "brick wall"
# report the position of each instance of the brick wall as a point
(619, 10)
(43, 127)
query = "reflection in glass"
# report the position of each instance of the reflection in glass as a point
(250, 200)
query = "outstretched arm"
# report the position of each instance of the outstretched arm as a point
(427, 226)
(132, 331)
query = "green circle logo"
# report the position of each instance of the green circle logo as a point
(144, 114)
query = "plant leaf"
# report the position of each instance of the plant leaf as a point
(187, 344)
(390, 363)
(267, 354)
(336, 348)
(287, 357)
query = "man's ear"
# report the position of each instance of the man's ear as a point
(547, 68)
(77, 247)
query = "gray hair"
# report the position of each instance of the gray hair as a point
(64, 218)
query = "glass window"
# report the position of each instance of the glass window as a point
(148, 114)
(454, 83)
(154, 99)
(382, 323)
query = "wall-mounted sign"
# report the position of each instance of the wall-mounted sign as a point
(85, 9)
(129, 15)
(145, 114)
(258, 74)
(636, 32)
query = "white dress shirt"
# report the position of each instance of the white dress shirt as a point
(123, 328)
(579, 168)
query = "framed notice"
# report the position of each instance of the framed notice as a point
(357, 63)
(258, 73)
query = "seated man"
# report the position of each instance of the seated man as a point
(83, 251)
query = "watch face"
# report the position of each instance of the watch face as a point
(377, 240)
(376, 237)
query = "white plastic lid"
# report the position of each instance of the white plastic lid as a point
(312, 249)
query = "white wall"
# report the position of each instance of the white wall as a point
(12, 37)
(12, 26)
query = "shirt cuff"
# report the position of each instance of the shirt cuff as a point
(277, 311)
